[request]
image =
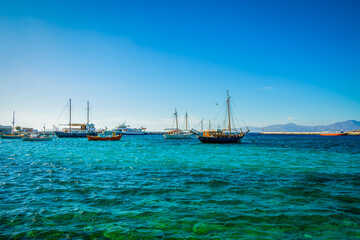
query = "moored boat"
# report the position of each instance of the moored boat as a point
(222, 135)
(12, 135)
(77, 130)
(177, 133)
(127, 130)
(113, 137)
(219, 136)
(81, 131)
(37, 138)
(333, 133)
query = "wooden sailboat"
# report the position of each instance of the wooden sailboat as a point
(77, 130)
(12, 135)
(177, 133)
(112, 137)
(221, 135)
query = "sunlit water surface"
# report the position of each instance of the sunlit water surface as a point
(268, 187)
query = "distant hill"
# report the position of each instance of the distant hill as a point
(291, 127)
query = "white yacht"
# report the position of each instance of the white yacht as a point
(127, 130)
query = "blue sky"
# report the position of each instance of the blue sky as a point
(282, 61)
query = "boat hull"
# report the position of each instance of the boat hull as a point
(10, 137)
(96, 138)
(75, 134)
(130, 133)
(333, 134)
(220, 139)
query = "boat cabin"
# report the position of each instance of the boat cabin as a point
(80, 127)
(174, 132)
(219, 133)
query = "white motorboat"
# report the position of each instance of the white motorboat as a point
(127, 130)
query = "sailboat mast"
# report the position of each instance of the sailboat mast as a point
(70, 114)
(209, 124)
(202, 125)
(88, 110)
(13, 122)
(176, 118)
(228, 106)
(186, 116)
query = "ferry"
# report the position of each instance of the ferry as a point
(77, 130)
(126, 130)
(333, 133)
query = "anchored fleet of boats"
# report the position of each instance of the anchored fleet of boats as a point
(87, 130)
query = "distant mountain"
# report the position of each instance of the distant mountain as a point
(291, 127)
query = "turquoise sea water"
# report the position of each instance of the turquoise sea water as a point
(146, 187)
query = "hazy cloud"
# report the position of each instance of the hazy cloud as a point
(267, 88)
